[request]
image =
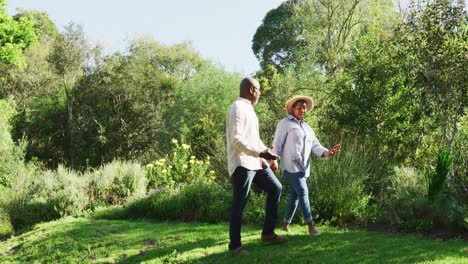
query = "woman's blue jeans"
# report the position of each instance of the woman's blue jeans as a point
(242, 179)
(298, 195)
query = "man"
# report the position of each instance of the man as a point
(246, 156)
(294, 142)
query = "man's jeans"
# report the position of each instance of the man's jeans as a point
(242, 179)
(298, 194)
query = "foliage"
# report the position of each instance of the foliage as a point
(16, 35)
(38, 77)
(195, 201)
(458, 183)
(11, 155)
(372, 100)
(438, 179)
(198, 114)
(337, 185)
(405, 203)
(119, 107)
(86, 240)
(277, 39)
(434, 39)
(34, 198)
(115, 183)
(178, 168)
(43, 124)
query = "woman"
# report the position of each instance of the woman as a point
(294, 141)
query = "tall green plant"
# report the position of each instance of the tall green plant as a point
(439, 177)
(337, 185)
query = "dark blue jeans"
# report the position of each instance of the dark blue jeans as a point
(242, 179)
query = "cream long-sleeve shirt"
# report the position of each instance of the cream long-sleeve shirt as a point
(243, 137)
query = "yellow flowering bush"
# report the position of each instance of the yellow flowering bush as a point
(180, 167)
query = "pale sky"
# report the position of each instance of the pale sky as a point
(220, 30)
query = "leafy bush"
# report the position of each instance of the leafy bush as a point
(178, 168)
(405, 199)
(11, 155)
(116, 182)
(337, 185)
(37, 196)
(196, 201)
(47, 196)
(198, 115)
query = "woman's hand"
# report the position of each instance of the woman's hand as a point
(335, 149)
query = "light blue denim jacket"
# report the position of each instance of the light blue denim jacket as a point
(294, 141)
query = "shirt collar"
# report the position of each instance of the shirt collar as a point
(293, 118)
(242, 99)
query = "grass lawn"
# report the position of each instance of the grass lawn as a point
(110, 241)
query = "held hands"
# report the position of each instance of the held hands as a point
(266, 154)
(273, 165)
(333, 150)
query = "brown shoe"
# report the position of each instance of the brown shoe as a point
(313, 231)
(274, 239)
(285, 228)
(240, 251)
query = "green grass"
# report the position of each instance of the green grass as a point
(116, 241)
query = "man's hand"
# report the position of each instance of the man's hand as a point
(273, 165)
(266, 154)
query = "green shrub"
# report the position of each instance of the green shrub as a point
(337, 187)
(11, 155)
(196, 201)
(437, 180)
(6, 228)
(178, 168)
(405, 198)
(116, 182)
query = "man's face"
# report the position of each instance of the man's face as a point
(299, 110)
(256, 92)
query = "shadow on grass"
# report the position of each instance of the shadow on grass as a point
(350, 247)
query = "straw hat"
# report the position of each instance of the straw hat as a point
(307, 99)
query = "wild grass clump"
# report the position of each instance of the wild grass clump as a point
(116, 182)
(337, 185)
(196, 201)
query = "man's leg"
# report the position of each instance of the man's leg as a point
(268, 182)
(241, 182)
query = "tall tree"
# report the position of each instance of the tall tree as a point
(435, 35)
(120, 105)
(69, 58)
(278, 38)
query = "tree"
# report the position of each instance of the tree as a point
(69, 58)
(38, 77)
(16, 35)
(120, 105)
(436, 38)
(278, 38)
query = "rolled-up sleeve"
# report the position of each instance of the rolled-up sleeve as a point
(317, 148)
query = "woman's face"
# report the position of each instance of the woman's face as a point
(299, 110)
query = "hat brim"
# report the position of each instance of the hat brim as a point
(307, 99)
